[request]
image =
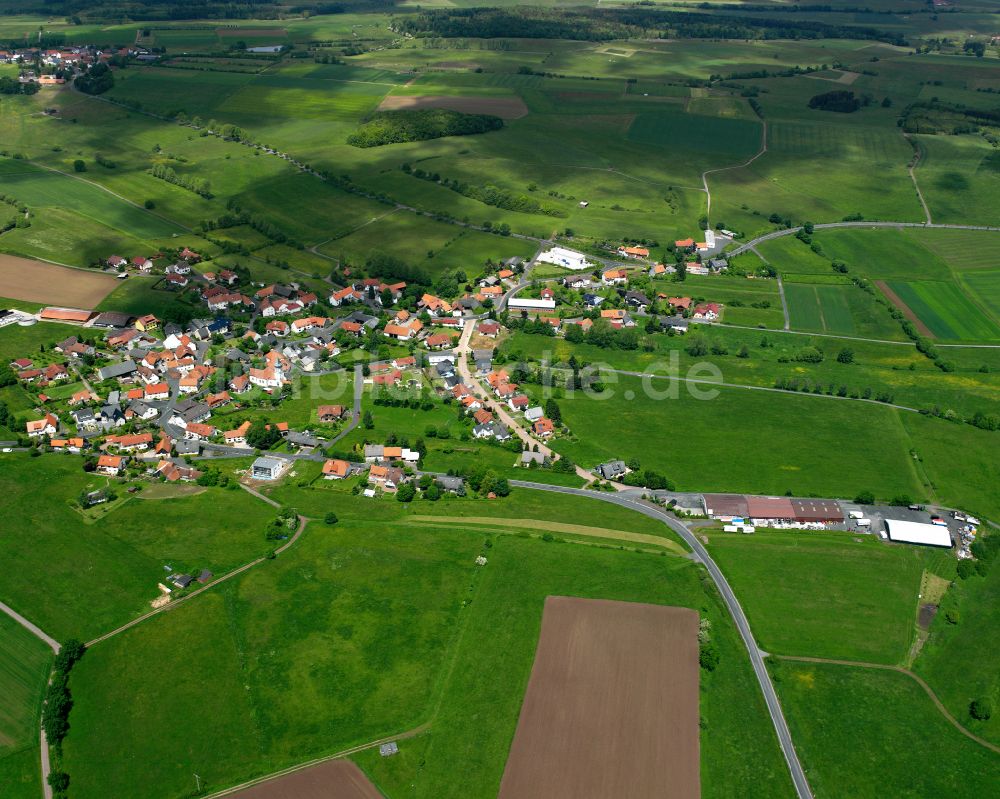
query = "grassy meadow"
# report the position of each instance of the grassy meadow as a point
(842, 718)
(80, 579)
(387, 633)
(832, 595)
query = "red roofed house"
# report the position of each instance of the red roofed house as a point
(614, 277)
(543, 427)
(518, 403)
(237, 436)
(196, 431)
(490, 329)
(404, 363)
(633, 252)
(483, 416)
(438, 341)
(330, 413)
(682, 303)
(111, 465)
(135, 442)
(214, 401)
(336, 470)
(684, 244)
(708, 310)
(43, 427)
(240, 384)
(157, 391)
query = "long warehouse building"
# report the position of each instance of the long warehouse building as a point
(932, 535)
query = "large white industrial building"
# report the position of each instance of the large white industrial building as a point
(560, 256)
(933, 535)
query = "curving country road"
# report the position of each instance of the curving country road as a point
(635, 503)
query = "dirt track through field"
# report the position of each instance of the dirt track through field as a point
(38, 281)
(334, 779)
(611, 708)
(902, 306)
(503, 107)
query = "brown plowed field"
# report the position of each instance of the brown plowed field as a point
(906, 310)
(38, 281)
(611, 709)
(503, 107)
(334, 779)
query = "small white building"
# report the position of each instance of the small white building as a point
(560, 256)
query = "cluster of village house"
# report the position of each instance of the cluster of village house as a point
(53, 65)
(156, 366)
(163, 370)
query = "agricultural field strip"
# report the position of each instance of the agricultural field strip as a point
(916, 678)
(705, 174)
(305, 169)
(114, 194)
(237, 571)
(732, 605)
(562, 527)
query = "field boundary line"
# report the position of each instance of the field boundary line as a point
(303, 520)
(722, 384)
(915, 677)
(317, 761)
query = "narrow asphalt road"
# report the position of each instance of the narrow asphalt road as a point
(488, 401)
(359, 390)
(732, 604)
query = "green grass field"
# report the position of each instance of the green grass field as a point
(24, 666)
(842, 719)
(956, 660)
(824, 594)
(825, 309)
(745, 440)
(79, 580)
(947, 312)
(389, 630)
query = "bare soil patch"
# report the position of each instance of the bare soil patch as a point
(926, 616)
(907, 312)
(254, 33)
(334, 779)
(611, 707)
(843, 77)
(503, 107)
(38, 281)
